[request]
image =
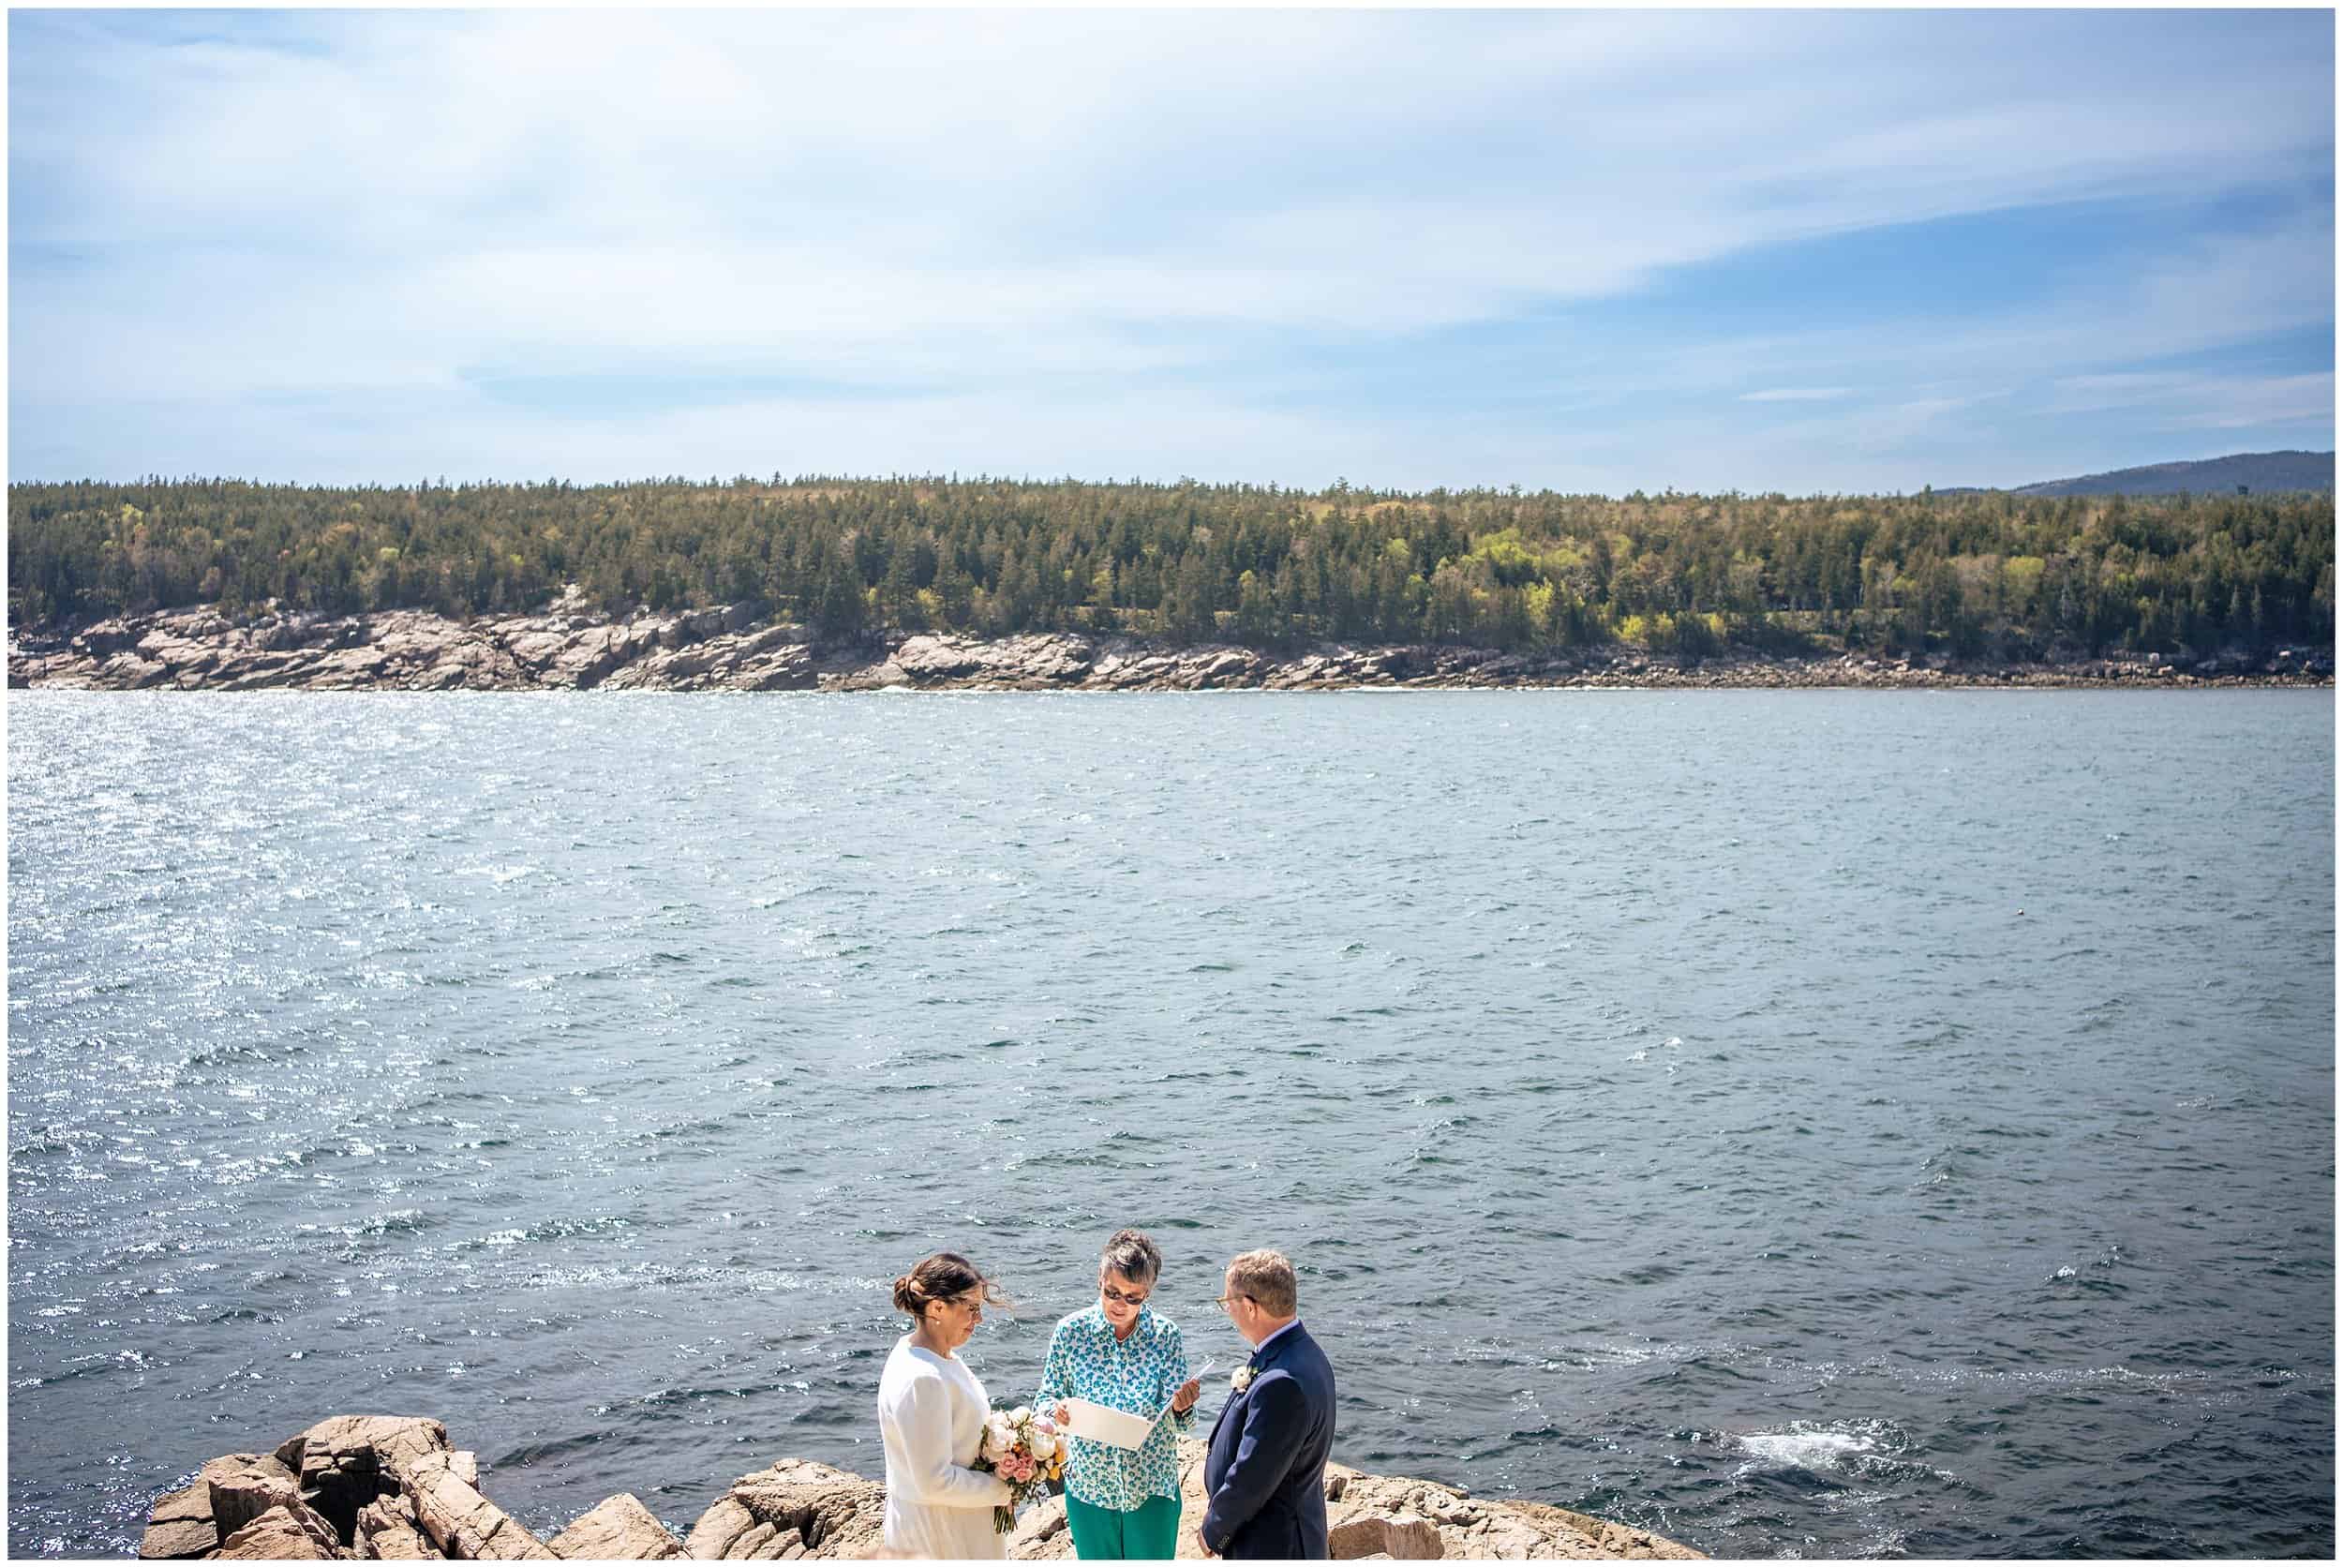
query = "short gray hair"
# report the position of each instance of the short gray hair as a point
(1130, 1254)
(1267, 1277)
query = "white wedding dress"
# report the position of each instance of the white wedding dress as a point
(931, 1412)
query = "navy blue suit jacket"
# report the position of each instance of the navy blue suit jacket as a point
(1265, 1476)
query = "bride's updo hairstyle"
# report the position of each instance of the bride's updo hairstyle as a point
(940, 1277)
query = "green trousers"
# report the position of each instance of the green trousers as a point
(1109, 1535)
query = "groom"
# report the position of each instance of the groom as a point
(1264, 1478)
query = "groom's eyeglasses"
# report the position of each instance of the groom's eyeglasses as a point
(1222, 1302)
(1112, 1295)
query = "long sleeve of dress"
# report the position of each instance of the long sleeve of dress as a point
(922, 1417)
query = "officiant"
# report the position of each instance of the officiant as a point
(1122, 1353)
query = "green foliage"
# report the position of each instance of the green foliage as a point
(1975, 574)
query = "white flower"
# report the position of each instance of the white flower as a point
(1018, 1416)
(1242, 1378)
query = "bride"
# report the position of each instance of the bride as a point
(931, 1412)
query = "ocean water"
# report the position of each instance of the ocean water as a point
(1806, 1123)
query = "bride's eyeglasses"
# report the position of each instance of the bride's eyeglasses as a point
(1112, 1295)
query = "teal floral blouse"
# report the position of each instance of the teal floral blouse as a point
(1139, 1374)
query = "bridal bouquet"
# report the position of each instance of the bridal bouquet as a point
(1025, 1450)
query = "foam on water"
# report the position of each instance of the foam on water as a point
(1825, 1448)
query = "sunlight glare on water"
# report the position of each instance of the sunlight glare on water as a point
(1671, 1111)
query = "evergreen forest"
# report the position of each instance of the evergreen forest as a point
(1979, 576)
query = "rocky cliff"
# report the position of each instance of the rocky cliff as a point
(568, 648)
(384, 1487)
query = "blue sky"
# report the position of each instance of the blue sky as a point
(1597, 251)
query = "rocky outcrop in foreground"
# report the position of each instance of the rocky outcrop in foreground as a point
(385, 1487)
(568, 648)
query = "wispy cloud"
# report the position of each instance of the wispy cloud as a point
(2188, 399)
(610, 237)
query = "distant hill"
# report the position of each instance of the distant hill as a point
(2259, 472)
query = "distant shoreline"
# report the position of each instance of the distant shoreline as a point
(725, 649)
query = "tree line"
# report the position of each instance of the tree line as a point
(1979, 576)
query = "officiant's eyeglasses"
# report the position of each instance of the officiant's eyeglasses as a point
(1112, 1295)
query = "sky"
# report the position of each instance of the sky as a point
(1813, 251)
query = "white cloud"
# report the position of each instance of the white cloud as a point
(991, 206)
(2191, 399)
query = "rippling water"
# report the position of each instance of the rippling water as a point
(1803, 1123)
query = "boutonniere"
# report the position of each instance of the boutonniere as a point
(1240, 1380)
